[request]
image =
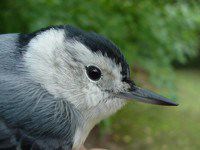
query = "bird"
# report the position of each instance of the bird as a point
(57, 83)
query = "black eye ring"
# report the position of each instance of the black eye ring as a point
(93, 72)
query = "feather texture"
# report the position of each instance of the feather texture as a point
(47, 100)
(30, 116)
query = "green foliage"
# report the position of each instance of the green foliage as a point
(152, 34)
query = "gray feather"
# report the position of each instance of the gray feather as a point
(27, 108)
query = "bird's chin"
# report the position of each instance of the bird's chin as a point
(114, 104)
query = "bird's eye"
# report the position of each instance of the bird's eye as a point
(93, 72)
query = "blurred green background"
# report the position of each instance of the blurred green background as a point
(160, 40)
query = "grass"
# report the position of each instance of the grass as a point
(147, 127)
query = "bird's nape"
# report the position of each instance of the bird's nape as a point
(146, 96)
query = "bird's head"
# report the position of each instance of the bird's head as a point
(85, 69)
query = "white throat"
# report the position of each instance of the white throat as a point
(92, 117)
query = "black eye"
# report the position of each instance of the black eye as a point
(93, 72)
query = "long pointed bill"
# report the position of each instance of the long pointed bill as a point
(146, 96)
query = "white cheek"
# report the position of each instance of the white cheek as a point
(93, 96)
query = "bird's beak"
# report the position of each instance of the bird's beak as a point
(146, 96)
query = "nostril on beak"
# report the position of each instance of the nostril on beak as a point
(130, 83)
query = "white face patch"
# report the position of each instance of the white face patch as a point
(58, 64)
(40, 57)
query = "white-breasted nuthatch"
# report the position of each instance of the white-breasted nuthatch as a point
(57, 83)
